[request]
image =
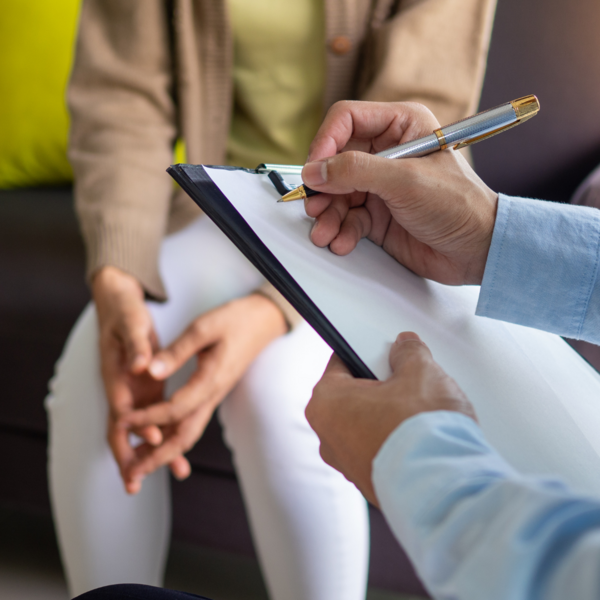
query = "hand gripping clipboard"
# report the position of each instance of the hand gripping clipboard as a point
(537, 400)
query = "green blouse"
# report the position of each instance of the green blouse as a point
(279, 80)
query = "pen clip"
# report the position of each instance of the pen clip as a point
(525, 108)
(487, 136)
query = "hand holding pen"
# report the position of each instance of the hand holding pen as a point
(456, 135)
(434, 216)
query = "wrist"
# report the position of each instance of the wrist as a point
(113, 290)
(271, 317)
(476, 267)
(112, 280)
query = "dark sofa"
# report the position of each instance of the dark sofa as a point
(545, 47)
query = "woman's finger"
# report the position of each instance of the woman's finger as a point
(151, 434)
(124, 454)
(200, 334)
(180, 467)
(201, 388)
(178, 441)
(135, 333)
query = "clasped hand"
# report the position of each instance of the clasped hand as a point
(224, 341)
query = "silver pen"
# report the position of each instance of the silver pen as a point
(457, 135)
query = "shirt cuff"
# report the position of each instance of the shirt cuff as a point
(419, 473)
(542, 268)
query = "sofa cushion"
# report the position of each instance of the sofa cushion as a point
(36, 47)
(588, 193)
(42, 293)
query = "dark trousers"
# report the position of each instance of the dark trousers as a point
(134, 591)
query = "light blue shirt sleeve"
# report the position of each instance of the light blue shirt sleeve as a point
(474, 528)
(542, 268)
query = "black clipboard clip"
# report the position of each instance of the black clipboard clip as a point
(274, 173)
(280, 185)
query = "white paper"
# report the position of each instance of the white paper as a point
(537, 400)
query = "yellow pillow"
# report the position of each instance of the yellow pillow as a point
(36, 48)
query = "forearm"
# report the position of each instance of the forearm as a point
(476, 529)
(122, 134)
(542, 268)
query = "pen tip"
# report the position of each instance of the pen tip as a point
(297, 194)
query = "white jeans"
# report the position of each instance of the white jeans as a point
(310, 525)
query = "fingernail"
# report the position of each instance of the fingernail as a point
(314, 227)
(157, 368)
(407, 335)
(133, 488)
(315, 173)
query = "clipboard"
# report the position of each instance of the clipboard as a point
(196, 182)
(536, 399)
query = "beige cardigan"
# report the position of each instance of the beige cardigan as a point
(137, 84)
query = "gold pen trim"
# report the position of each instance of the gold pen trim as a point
(486, 136)
(297, 194)
(526, 107)
(441, 139)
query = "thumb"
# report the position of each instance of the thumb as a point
(198, 335)
(355, 171)
(408, 352)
